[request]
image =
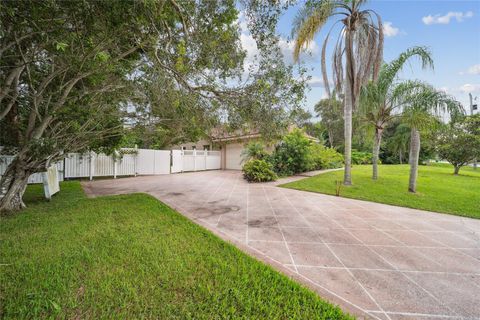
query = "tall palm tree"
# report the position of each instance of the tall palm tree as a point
(378, 98)
(421, 108)
(359, 45)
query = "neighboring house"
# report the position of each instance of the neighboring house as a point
(230, 144)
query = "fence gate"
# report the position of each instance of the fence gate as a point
(176, 161)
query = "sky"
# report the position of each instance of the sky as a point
(449, 29)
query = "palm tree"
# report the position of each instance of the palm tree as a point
(359, 42)
(398, 143)
(378, 98)
(421, 107)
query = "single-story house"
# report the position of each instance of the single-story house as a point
(230, 145)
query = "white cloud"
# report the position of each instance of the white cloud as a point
(315, 81)
(475, 70)
(470, 88)
(389, 30)
(445, 19)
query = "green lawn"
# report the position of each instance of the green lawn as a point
(437, 188)
(132, 257)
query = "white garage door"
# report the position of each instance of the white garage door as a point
(233, 156)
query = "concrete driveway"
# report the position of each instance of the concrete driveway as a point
(375, 261)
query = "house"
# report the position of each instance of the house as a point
(230, 145)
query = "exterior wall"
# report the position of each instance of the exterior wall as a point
(199, 145)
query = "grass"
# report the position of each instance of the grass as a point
(437, 188)
(132, 257)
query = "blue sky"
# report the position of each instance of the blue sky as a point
(450, 29)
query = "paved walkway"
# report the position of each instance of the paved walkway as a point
(376, 261)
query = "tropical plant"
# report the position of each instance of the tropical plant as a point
(459, 142)
(361, 157)
(256, 170)
(359, 43)
(321, 157)
(291, 155)
(398, 143)
(378, 99)
(421, 107)
(254, 150)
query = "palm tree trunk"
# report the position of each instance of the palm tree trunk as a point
(348, 109)
(376, 151)
(414, 156)
(400, 157)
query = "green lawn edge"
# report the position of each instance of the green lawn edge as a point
(438, 189)
(131, 256)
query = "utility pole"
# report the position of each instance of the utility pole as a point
(472, 108)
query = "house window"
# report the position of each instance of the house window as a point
(184, 148)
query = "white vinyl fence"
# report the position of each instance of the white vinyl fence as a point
(132, 162)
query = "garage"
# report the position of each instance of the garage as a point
(233, 156)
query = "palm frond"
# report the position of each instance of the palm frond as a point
(308, 22)
(389, 72)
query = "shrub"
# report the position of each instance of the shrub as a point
(361, 157)
(258, 171)
(291, 155)
(321, 157)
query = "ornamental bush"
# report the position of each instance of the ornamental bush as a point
(321, 157)
(361, 157)
(291, 155)
(258, 171)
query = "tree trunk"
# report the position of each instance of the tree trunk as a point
(400, 157)
(12, 187)
(348, 109)
(456, 169)
(376, 152)
(330, 138)
(414, 156)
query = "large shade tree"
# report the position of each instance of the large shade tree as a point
(459, 142)
(357, 54)
(378, 101)
(421, 108)
(67, 67)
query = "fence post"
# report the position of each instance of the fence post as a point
(115, 168)
(182, 159)
(195, 159)
(136, 160)
(205, 152)
(92, 165)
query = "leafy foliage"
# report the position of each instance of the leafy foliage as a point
(291, 155)
(459, 142)
(256, 170)
(254, 150)
(361, 157)
(330, 111)
(321, 157)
